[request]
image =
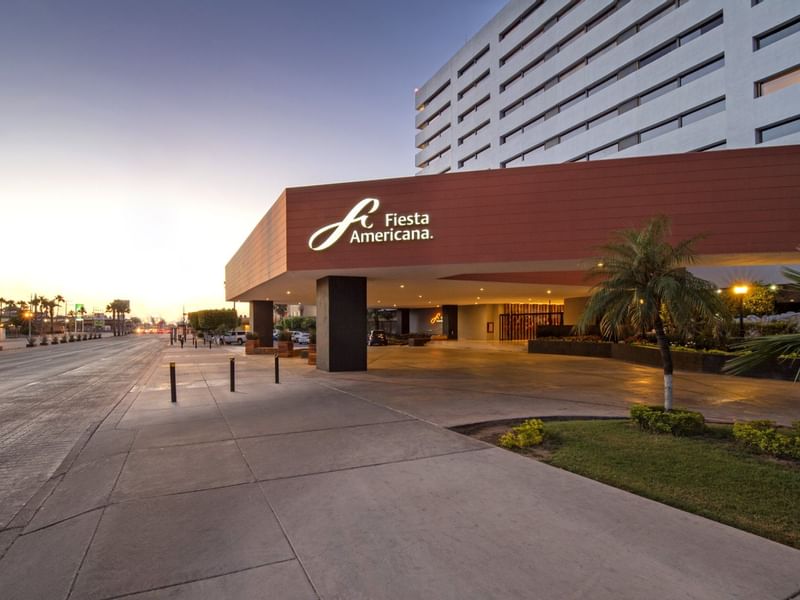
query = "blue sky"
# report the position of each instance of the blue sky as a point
(141, 141)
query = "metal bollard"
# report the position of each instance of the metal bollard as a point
(277, 370)
(195, 342)
(233, 374)
(181, 342)
(172, 384)
(170, 340)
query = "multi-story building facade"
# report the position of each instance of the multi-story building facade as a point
(550, 81)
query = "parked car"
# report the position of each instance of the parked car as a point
(301, 337)
(235, 337)
(377, 337)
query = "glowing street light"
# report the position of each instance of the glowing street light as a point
(741, 290)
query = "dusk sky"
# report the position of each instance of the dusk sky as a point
(141, 141)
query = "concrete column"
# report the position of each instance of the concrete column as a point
(261, 321)
(342, 324)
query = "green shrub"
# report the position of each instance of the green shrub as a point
(763, 436)
(677, 422)
(529, 433)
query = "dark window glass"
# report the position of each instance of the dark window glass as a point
(599, 52)
(602, 153)
(602, 118)
(659, 91)
(573, 132)
(629, 105)
(777, 131)
(711, 25)
(654, 56)
(688, 37)
(704, 70)
(551, 113)
(770, 38)
(550, 143)
(628, 33)
(625, 71)
(570, 102)
(602, 85)
(654, 132)
(550, 83)
(627, 142)
(702, 113)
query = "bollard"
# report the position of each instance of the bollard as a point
(195, 342)
(170, 340)
(233, 375)
(277, 370)
(181, 342)
(173, 392)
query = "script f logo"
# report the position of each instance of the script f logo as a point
(357, 214)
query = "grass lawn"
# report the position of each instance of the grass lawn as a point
(708, 476)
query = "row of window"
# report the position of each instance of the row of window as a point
(473, 61)
(433, 96)
(778, 130)
(778, 82)
(435, 157)
(520, 19)
(434, 116)
(776, 34)
(475, 131)
(546, 26)
(623, 107)
(474, 108)
(434, 137)
(639, 137)
(632, 139)
(646, 21)
(620, 73)
(473, 156)
(475, 83)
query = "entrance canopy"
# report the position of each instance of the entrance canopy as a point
(512, 235)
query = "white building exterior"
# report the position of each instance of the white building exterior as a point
(549, 81)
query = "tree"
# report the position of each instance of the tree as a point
(768, 347)
(113, 310)
(643, 275)
(59, 300)
(759, 300)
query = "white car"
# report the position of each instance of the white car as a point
(301, 337)
(235, 337)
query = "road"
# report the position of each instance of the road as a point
(50, 396)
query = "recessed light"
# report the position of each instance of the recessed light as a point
(481, 289)
(288, 292)
(549, 291)
(402, 285)
(420, 295)
(394, 304)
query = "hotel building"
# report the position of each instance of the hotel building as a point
(553, 81)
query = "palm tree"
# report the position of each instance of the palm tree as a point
(770, 346)
(50, 308)
(643, 275)
(59, 300)
(113, 310)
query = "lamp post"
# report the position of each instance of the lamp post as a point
(741, 290)
(29, 315)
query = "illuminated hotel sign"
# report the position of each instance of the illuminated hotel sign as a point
(396, 227)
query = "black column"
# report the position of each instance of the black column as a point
(405, 319)
(450, 321)
(261, 321)
(342, 324)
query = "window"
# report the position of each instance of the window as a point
(654, 132)
(703, 112)
(433, 117)
(770, 37)
(433, 96)
(469, 134)
(473, 61)
(778, 82)
(474, 84)
(473, 108)
(602, 118)
(603, 152)
(629, 105)
(520, 19)
(659, 91)
(627, 142)
(773, 132)
(703, 70)
(654, 56)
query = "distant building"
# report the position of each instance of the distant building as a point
(572, 80)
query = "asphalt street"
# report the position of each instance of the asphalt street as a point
(51, 396)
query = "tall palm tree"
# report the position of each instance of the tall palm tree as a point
(113, 310)
(59, 300)
(643, 275)
(768, 347)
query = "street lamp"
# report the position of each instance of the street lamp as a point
(741, 290)
(28, 315)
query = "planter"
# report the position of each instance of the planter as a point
(312, 358)
(596, 349)
(250, 346)
(418, 341)
(285, 349)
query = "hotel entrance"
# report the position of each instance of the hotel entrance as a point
(520, 321)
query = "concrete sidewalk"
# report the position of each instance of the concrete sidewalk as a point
(317, 488)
